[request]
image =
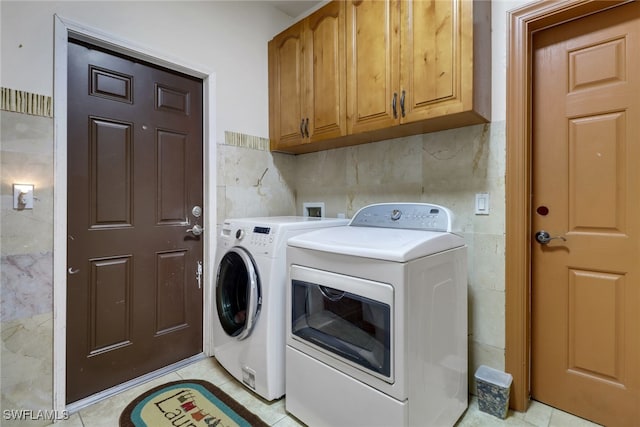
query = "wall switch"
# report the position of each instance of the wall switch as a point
(482, 204)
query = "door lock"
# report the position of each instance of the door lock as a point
(196, 230)
(543, 237)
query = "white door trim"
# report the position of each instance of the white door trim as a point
(62, 29)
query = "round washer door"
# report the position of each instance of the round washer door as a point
(238, 293)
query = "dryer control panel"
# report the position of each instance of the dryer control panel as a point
(414, 216)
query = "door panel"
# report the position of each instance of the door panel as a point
(110, 159)
(134, 173)
(595, 300)
(586, 158)
(171, 289)
(110, 288)
(172, 177)
(597, 183)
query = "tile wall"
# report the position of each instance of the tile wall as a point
(253, 181)
(447, 168)
(26, 262)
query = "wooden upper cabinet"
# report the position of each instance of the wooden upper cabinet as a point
(286, 89)
(372, 65)
(430, 57)
(411, 61)
(307, 77)
(379, 69)
(445, 61)
(325, 55)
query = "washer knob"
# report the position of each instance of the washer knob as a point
(239, 234)
(396, 214)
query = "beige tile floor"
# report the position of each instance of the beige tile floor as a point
(107, 412)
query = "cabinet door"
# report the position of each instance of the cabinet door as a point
(325, 79)
(430, 54)
(286, 97)
(372, 64)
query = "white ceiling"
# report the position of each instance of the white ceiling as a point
(294, 8)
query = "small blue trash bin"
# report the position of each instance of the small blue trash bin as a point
(493, 391)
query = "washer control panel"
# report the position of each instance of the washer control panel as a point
(261, 236)
(260, 239)
(414, 216)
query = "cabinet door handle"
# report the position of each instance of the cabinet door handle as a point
(393, 104)
(402, 103)
(302, 128)
(306, 127)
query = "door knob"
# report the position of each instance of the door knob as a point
(196, 230)
(543, 237)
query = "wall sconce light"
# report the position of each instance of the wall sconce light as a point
(22, 196)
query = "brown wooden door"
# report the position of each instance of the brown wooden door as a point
(373, 44)
(586, 189)
(134, 174)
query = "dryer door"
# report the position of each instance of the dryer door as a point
(238, 293)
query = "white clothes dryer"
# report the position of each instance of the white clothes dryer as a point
(377, 320)
(249, 328)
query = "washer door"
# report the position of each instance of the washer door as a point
(238, 294)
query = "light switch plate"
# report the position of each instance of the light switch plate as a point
(482, 204)
(22, 196)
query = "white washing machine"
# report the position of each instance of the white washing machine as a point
(249, 329)
(377, 320)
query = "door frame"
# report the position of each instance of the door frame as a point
(522, 23)
(63, 28)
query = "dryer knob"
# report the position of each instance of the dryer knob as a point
(239, 233)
